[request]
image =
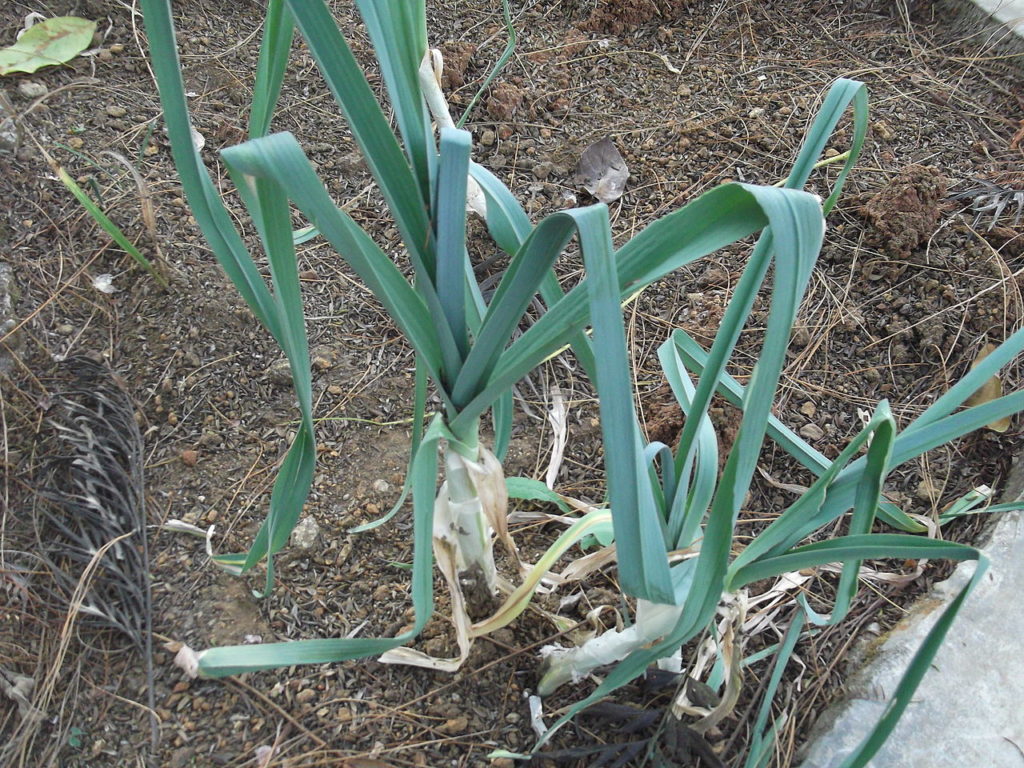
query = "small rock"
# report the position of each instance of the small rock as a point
(927, 490)
(503, 762)
(181, 757)
(542, 170)
(190, 457)
(104, 54)
(117, 48)
(305, 534)
(883, 130)
(808, 409)
(811, 432)
(487, 138)
(76, 142)
(755, 112)
(280, 372)
(455, 725)
(65, 329)
(381, 486)
(9, 294)
(10, 129)
(32, 89)
(801, 337)
(116, 111)
(306, 695)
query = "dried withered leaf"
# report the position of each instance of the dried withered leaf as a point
(602, 171)
(989, 391)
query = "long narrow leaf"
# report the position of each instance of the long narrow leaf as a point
(712, 221)
(450, 210)
(279, 157)
(278, 30)
(639, 534)
(399, 35)
(398, 183)
(204, 199)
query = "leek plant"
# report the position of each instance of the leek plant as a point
(464, 345)
(675, 518)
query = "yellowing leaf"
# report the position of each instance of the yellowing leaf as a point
(54, 41)
(989, 391)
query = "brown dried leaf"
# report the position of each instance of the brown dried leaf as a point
(989, 391)
(602, 171)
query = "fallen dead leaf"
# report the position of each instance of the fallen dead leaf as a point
(989, 391)
(602, 171)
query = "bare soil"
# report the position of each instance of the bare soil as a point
(909, 288)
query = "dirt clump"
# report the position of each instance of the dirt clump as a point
(504, 102)
(906, 211)
(457, 55)
(628, 15)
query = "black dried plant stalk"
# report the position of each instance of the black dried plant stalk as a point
(96, 494)
(637, 736)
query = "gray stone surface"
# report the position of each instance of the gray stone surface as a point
(1000, 22)
(969, 710)
(1008, 12)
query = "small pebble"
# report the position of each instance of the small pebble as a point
(31, 89)
(456, 725)
(811, 432)
(190, 457)
(487, 138)
(116, 111)
(542, 170)
(808, 409)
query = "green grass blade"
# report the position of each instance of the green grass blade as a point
(419, 410)
(869, 490)
(873, 546)
(509, 225)
(278, 30)
(712, 221)
(839, 97)
(109, 226)
(518, 286)
(916, 671)
(499, 65)
(268, 205)
(762, 740)
(803, 516)
(797, 229)
(973, 381)
(695, 359)
(699, 476)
